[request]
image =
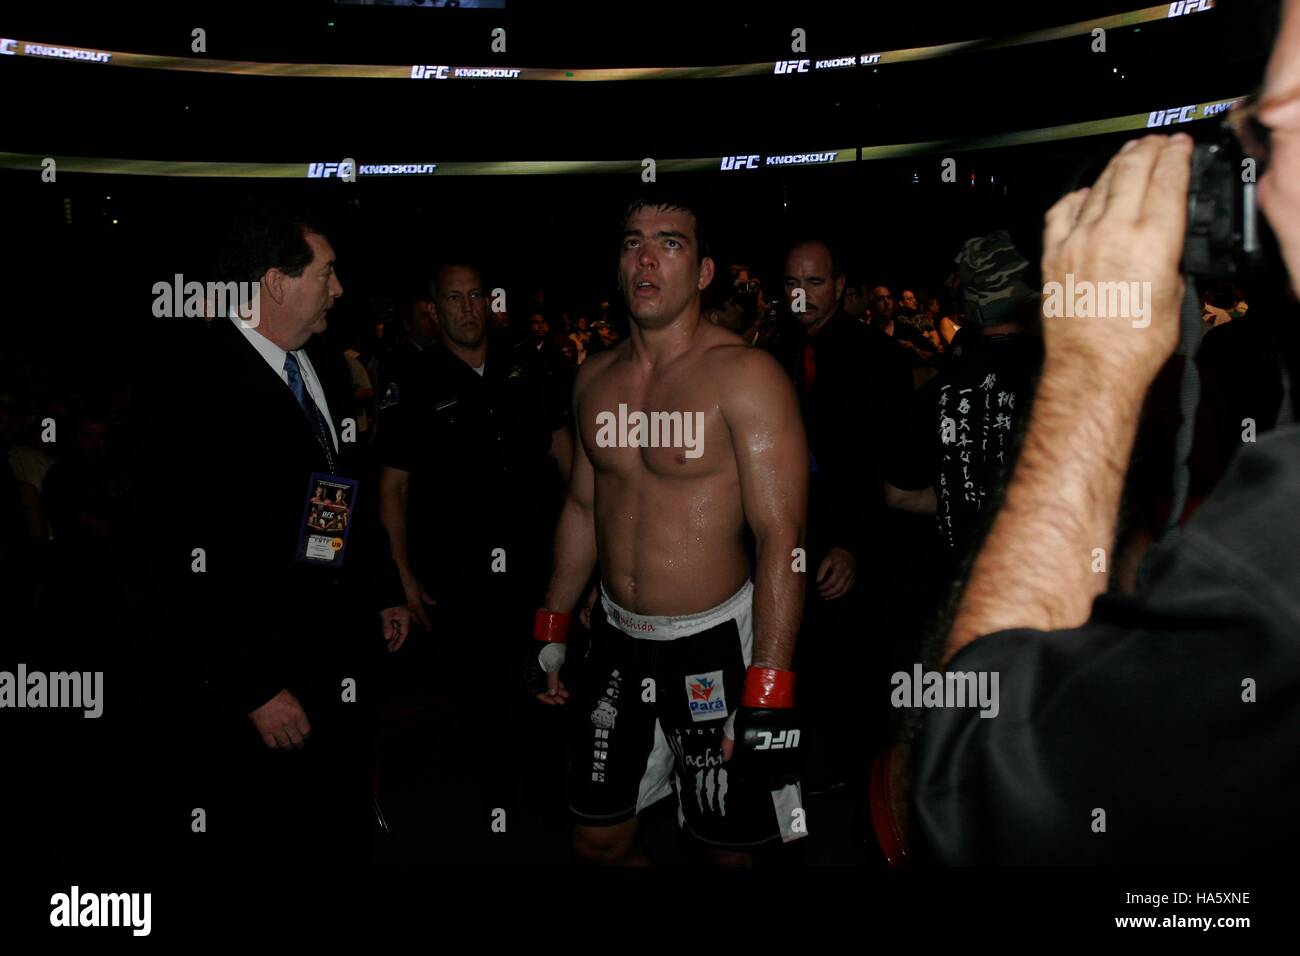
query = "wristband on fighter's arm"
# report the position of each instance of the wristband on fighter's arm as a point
(768, 687)
(546, 656)
(551, 627)
(764, 726)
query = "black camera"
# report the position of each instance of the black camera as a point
(1223, 223)
(1223, 237)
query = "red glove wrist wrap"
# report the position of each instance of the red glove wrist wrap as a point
(768, 687)
(551, 626)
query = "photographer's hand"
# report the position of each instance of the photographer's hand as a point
(1128, 228)
(1035, 568)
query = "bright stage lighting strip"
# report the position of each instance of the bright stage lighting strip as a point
(805, 65)
(729, 165)
(1156, 121)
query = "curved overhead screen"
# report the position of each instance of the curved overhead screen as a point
(850, 61)
(738, 164)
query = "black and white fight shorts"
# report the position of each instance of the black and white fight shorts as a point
(656, 692)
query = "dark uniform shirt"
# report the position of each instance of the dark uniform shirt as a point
(477, 448)
(402, 368)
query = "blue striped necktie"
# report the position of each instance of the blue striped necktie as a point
(314, 417)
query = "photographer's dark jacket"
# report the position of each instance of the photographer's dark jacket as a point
(1173, 711)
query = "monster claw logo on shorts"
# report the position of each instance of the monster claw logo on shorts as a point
(705, 696)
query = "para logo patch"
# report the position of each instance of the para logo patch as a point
(705, 696)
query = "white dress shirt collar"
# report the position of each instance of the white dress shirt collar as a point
(273, 354)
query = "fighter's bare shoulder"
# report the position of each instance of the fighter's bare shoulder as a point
(596, 363)
(739, 369)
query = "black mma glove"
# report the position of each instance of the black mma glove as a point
(765, 729)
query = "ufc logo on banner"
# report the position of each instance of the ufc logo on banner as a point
(1170, 117)
(1189, 6)
(785, 740)
(322, 170)
(740, 162)
(792, 66)
(429, 72)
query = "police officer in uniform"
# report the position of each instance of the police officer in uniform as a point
(473, 460)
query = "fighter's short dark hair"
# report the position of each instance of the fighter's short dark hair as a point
(673, 199)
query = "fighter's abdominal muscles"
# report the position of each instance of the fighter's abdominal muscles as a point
(651, 430)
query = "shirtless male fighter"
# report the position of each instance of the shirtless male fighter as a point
(688, 672)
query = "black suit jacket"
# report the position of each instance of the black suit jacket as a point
(231, 474)
(860, 389)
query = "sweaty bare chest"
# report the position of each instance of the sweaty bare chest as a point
(669, 429)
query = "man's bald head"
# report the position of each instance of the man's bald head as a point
(813, 283)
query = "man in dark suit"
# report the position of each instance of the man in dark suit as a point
(279, 627)
(852, 384)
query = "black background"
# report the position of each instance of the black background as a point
(82, 798)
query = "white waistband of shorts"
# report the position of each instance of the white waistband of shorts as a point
(668, 628)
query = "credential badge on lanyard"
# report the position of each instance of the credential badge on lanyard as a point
(327, 519)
